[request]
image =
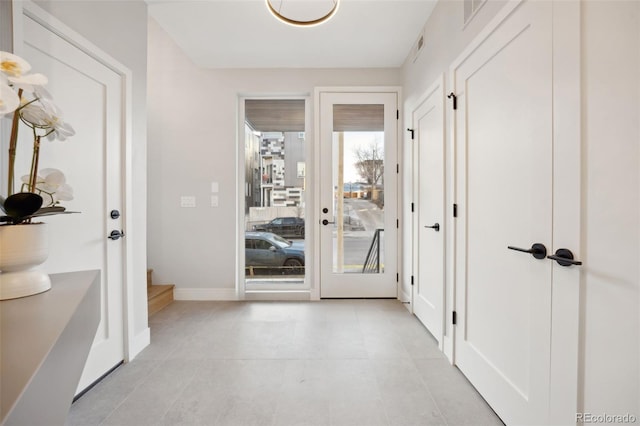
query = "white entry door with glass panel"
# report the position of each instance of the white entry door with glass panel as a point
(358, 194)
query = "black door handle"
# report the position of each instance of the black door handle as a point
(114, 235)
(564, 257)
(325, 222)
(435, 226)
(537, 250)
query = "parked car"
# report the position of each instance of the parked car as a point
(268, 253)
(283, 226)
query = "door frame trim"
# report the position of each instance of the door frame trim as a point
(566, 292)
(397, 90)
(299, 293)
(133, 343)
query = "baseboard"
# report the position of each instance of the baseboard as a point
(278, 295)
(204, 294)
(138, 343)
(405, 298)
(226, 294)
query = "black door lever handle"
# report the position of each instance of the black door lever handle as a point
(537, 250)
(114, 235)
(564, 257)
(435, 226)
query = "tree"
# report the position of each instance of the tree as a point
(370, 164)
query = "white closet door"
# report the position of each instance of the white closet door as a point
(428, 148)
(505, 196)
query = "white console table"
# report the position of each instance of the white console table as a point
(44, 343)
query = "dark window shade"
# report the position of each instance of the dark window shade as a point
(358, 118)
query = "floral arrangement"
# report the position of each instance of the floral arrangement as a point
(24, 99)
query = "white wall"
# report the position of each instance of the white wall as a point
(192, 142)
(6, 26)
(610, 295)
(611, 140)
(120, 29)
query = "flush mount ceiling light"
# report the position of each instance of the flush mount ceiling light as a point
(303, 13)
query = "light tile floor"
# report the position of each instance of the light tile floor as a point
(334, 362)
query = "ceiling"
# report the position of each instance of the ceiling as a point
(243, 34)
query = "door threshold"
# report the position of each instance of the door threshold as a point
(278, 295)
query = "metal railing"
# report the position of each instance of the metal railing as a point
(372, 262)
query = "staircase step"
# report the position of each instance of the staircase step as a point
(158, 297)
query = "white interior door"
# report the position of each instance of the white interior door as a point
(90, 94)
(428, 141)
(358, 194)
(505, 196)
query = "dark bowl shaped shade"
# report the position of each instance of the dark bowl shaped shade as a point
(22, 204)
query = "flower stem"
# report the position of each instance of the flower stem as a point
(13, 141)
(34, 163)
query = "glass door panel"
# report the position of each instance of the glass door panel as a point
(358, 189)
(275, 182)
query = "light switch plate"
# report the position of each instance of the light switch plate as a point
(214, 187)
(187, 201)
(214, 201)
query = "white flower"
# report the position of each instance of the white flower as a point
(13, 72)
(13, 77)
(61, 129)
(50, 179)
(13, 65)
(34, 114)
(52, 182)
(64, 193)
(46, 115)
(28, 83)
(9, 100)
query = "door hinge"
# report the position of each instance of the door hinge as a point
(397, 114)
(397, 223)
(411, 279)
(412, 135)
(455, 100)
(455, 210)
(397, 277)
(397, 168)
(454, 318)
(412, 208)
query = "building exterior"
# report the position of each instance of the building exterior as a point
(275, 169)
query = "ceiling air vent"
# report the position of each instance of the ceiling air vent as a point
(417, 47)
(470, 9)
